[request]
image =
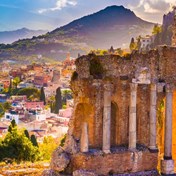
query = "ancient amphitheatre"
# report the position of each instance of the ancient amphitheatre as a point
(124, 116)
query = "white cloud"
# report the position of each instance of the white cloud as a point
(42, 11)
(59, 5)
(154, 6)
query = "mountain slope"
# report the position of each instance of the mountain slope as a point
(114, 25)
(11, 36)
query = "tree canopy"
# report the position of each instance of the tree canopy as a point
(31, 93)
(17, 146)
(156, 29)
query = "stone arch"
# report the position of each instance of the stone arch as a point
(84, 113)
(114, 123)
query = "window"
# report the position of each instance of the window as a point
(7, 117)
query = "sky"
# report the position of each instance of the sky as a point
(50, 14)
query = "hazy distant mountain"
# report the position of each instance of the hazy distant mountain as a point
(11, 36)
(114, 25)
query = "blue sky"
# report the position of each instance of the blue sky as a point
(49, 14)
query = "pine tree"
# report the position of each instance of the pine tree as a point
(58, 100)
(42, 96)
(17, 147)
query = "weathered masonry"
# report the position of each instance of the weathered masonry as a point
(113, 129)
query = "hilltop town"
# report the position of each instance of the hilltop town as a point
(20, 97)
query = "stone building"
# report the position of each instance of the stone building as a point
(113, 129)
(174, 32)
(145, 42)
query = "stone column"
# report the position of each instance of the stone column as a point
(107, 118)
(84, 138)
(132, 116)
(153, 101)
(98, 132)
(167, 165)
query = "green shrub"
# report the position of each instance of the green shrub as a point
(96, 69)
(127, 56)
(62, 142)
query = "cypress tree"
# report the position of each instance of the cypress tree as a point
(12, 126)
(10, 87)
(34, 140)
(13, 123)
(58, 100)
(42, 95)
(26, 133)
(132, 44)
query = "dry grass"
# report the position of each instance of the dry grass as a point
(23, 169)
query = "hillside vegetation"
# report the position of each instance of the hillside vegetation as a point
(112, 26)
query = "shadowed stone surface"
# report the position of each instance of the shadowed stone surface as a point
(83, 173)
(60, 160)
(50, 173)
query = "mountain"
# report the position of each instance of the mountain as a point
(11, 36)
(114, 25)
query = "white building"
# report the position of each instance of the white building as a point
(24, 85)
(146, 42)
(12, 116)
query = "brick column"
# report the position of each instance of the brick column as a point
(84, 144)
(107, 118)
(153, 101)
(167, 165)
(132, 116)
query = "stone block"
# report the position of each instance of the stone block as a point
(60, 160)
(50, 173)
(84, 173)
(167, 167)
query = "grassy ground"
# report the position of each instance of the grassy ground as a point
(24, 169)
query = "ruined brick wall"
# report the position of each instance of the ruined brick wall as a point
(143, 114)
(123, 162)
(167, 64)
(120, 71)
(156, 66)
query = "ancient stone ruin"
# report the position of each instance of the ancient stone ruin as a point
(113, 127)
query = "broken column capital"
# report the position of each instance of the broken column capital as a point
(169, 88)
(108, 87)
(97, 83)
(153, 86)
(133, 86)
